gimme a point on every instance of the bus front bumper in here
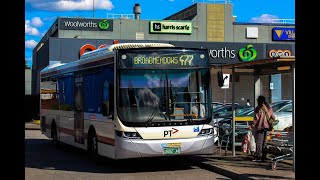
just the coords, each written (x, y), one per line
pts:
(134, 148)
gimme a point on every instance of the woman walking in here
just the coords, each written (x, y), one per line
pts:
(260, 127)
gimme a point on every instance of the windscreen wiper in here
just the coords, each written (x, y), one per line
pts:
(163, 115)
(151, 117)
(190, 120)
(154, 111)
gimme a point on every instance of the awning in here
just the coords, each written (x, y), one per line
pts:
(264, 66)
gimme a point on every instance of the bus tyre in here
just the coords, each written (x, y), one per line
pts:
(93, 149)
(54, 135)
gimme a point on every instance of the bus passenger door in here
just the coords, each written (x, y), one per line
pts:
(79, 114)
(107, 100)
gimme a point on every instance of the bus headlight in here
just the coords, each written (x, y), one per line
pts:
(130, 135)
(206, 131)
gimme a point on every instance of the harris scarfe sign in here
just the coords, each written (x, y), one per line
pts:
(283, 34)
(170, 27)
(85, 24)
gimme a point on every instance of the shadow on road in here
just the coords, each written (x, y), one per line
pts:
(41, 154)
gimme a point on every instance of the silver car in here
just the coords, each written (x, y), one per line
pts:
(284, 116)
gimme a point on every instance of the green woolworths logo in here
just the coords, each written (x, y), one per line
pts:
(103, 25)
(248, 53)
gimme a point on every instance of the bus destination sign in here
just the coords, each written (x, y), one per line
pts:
(182, 60)
(163, 60)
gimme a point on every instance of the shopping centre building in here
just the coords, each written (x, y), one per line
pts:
(201, 25)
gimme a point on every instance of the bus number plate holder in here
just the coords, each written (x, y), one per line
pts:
(171, 150)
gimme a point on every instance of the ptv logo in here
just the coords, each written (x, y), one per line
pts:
(170, 132)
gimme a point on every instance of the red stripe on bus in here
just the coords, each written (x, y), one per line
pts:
(66, 131)
(105, 140)
(101, 139)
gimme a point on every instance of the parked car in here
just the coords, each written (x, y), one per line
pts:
(276, 106)
(219, 113)
(216, 105)
(244, 117)
(284, 116)
(282, 111)
(242, 122)
(226, 110)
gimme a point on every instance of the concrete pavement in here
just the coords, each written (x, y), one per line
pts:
(237, 167)
(242, 167)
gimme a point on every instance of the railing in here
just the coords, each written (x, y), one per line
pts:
(284, 21)
(212, 1)
(120, 16)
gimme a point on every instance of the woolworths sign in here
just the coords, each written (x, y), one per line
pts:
(85, 24)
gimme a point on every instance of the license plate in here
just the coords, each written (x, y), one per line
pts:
(171, 150)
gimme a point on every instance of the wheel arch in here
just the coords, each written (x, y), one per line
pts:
(91, 131)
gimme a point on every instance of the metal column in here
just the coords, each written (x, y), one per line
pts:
(233, 114)
(257, 89)
(293, 112)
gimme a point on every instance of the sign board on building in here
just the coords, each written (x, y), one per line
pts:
(283, 34)
(248, 53)
(226, 53)
(85, 24)
(226, 78)
(170, 27)
(279, 53)
(280, 50)
(252, 32)
(271, 85)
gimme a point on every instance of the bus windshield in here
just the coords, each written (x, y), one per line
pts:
(163, 95)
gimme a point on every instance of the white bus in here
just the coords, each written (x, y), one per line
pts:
(130, 100)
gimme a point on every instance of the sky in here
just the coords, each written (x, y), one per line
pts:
(40, 14)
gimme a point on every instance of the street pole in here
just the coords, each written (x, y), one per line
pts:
(225, 95)
(233, 114)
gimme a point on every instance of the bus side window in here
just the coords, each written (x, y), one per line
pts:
(105, 99)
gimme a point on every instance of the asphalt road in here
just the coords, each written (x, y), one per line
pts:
(44, 161)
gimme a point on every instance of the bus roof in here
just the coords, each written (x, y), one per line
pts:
(93, 56)
(112, 47)
(52, 66)
(138, 45)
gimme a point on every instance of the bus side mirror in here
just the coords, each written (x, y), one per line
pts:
(220, 78)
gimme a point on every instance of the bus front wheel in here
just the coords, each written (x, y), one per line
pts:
(93, 148)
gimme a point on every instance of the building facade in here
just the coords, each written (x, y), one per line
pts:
(201, 25)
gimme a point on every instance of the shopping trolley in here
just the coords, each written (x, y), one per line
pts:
(280, 144)
(224, 137)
